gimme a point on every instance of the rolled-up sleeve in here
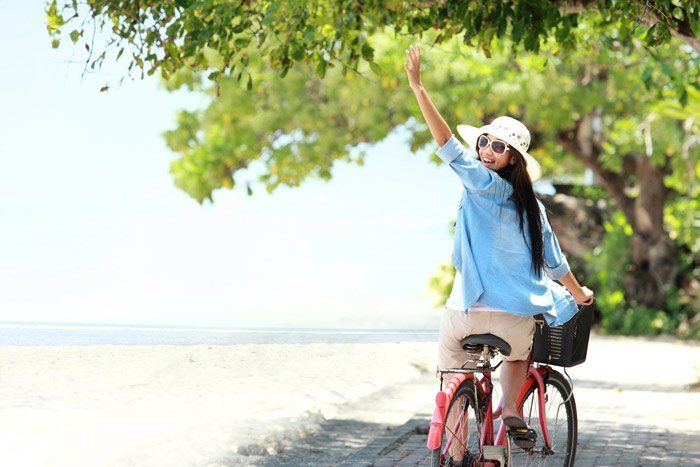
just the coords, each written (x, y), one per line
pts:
(463, 161)
(556, 265)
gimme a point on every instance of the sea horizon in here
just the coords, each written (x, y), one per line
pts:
(26, 333)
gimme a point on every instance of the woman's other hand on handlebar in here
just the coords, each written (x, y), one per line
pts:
(584, 297)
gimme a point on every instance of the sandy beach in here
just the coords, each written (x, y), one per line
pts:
(202, 405)
(193, 405)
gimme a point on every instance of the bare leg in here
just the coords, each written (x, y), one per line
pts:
(512, 379)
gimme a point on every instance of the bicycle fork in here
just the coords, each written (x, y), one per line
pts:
(541, 410)
(541, 406)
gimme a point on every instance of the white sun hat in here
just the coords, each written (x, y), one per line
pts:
(511, 131)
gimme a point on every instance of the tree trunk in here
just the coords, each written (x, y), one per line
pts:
(653, 267)
(577, 222)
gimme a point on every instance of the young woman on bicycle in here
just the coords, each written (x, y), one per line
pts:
(505, 252)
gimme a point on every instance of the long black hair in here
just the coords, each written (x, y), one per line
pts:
(527, 205)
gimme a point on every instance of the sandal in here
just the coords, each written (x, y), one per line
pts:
(522, 435)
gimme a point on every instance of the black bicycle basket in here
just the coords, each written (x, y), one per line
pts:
(565, 345)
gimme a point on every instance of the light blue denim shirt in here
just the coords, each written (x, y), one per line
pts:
(492, 253)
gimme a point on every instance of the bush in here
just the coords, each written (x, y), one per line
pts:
(441, 283)
(608, 263)
(642, 320)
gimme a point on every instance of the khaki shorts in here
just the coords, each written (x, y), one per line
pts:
(456, 325)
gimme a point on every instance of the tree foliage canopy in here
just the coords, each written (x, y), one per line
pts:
(298, 126)
(168, 35)
(297, 85)
(548, 62)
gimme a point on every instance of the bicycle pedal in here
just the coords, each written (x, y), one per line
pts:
(524, 438)
(495, 453)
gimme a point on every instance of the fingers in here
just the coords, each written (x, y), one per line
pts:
(586, 297)
(413, 53)
(409, 52)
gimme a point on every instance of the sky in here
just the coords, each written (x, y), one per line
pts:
(93, 230)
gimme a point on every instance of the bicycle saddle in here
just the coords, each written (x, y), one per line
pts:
(486, 339)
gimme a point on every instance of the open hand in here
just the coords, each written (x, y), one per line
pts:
(412, 66)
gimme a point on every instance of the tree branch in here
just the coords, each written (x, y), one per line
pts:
(680, 29)
(580, 142)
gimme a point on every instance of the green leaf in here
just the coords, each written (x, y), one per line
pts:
(321, 68)
(646, 76)
(678, 13)
(695, 26)
(172, 50)
(74, 35)
(284, 72)
(518, 28)
(367, 52)
(531, 40)
(502, 23)
(650, 36)
(376, 69)
(242, 42)
(270, 14)
(298, 53)
(55, 43)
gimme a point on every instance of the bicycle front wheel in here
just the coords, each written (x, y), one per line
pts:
(462, 430)
(561, 422)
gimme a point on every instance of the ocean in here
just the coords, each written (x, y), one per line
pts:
(26, 334)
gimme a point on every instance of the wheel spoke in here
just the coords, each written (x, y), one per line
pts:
(560, 423)
(461, 428)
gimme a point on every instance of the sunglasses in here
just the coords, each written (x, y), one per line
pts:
(497, 147)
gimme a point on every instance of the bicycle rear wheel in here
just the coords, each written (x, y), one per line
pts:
(462, 430)
(562, 424)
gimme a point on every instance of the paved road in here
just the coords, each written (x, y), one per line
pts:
(635, 402)
(603, 444)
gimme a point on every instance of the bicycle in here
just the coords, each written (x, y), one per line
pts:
(463, 419)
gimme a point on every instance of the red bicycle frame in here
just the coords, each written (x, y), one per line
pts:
(484, 390)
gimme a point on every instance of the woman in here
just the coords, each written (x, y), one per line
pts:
(505, 252)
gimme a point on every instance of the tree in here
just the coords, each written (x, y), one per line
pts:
(597, 90)
(587, 109)
(170, 35)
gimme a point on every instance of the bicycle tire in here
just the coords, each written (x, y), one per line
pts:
(559, 395)
(464, 399)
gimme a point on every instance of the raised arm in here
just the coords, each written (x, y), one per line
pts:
(471, 171)
(438, 127)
